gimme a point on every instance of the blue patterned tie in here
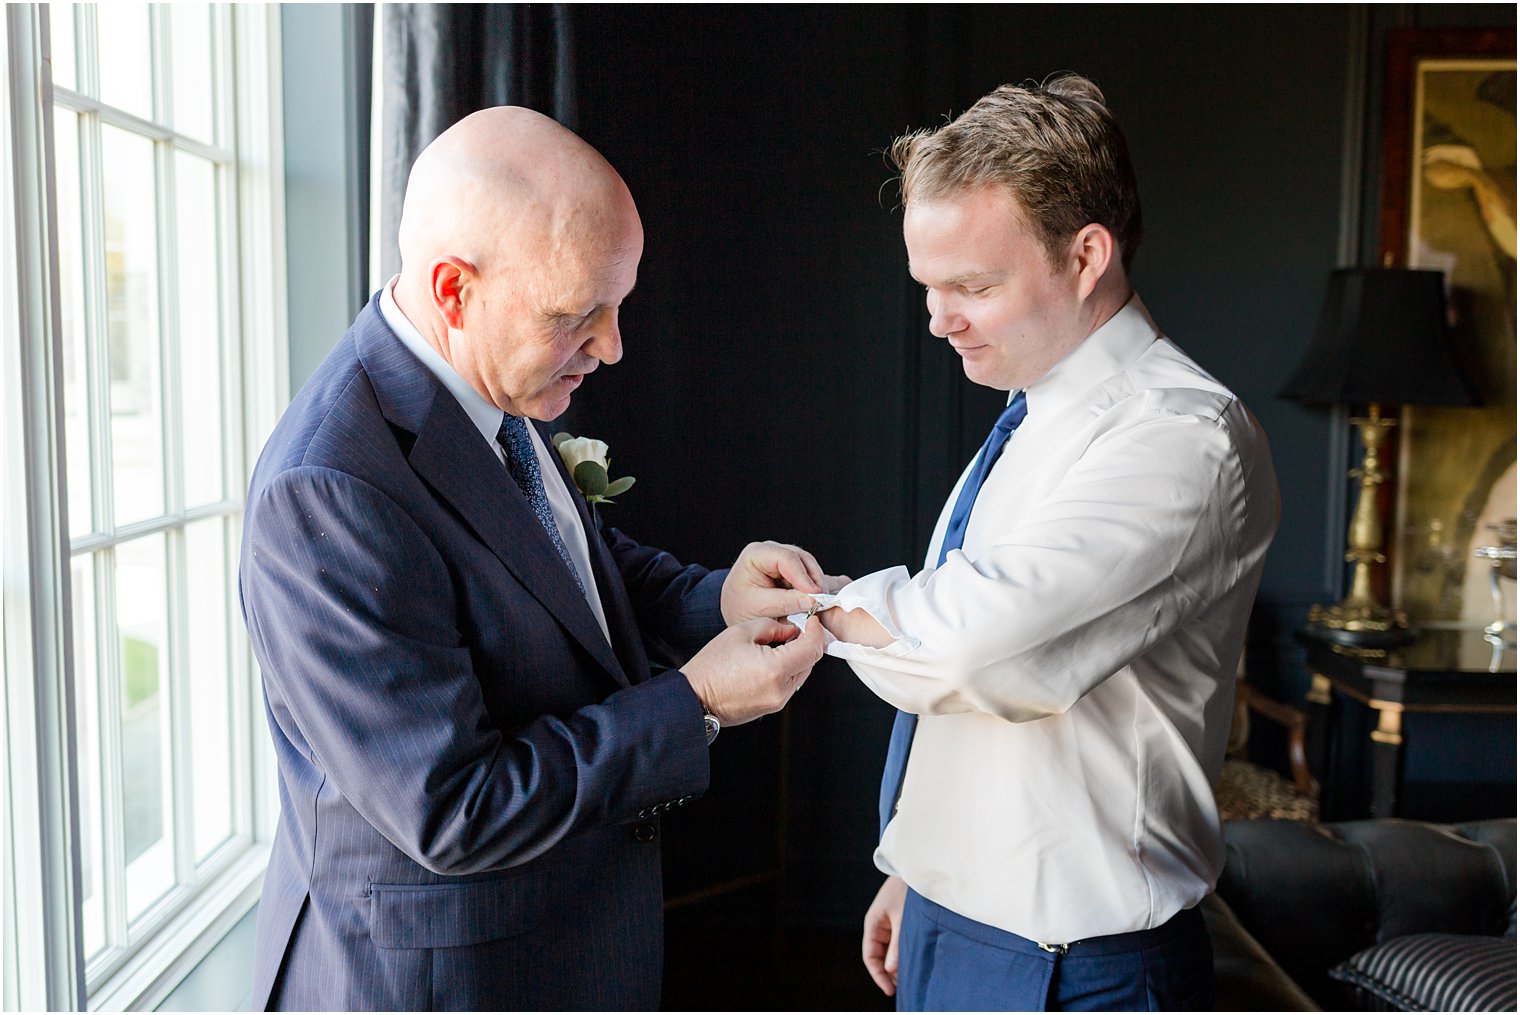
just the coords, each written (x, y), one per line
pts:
(522, 462)
(955, 534)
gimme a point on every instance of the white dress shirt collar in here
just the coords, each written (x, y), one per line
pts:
(485, 416)
(1116, 344)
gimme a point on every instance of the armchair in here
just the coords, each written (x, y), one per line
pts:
(1364, 913)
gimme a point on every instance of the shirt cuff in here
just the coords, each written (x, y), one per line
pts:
(870, 594)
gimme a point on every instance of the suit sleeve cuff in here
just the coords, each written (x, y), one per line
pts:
(679, 771)
(707, 612)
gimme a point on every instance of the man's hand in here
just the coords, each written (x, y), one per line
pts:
(878, 947)
(754, 668)
(773, 580)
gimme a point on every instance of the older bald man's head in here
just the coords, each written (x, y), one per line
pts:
(518, 244)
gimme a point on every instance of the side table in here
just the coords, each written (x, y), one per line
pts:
(1441, 671)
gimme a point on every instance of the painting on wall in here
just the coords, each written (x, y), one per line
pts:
(1449, 205)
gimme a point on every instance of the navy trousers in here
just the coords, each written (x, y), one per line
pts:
(947, 962)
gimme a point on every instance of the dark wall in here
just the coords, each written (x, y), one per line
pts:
(766, 386)
(779, 379)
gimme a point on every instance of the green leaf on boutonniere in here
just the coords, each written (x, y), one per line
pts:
(591, 478)
(559, 438)
(618, 486)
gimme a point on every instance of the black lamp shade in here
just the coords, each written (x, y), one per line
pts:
(1381, 338)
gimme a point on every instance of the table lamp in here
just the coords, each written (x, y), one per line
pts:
(1380, 342)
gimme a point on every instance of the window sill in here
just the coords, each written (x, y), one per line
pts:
(159, 966)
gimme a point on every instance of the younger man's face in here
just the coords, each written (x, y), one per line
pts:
(991, 290)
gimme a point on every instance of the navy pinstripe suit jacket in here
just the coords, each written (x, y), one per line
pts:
(463, 757)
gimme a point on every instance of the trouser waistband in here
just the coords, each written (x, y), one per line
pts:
(1189, 921)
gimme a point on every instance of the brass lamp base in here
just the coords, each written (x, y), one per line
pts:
(1360, 619)
(1363, 624)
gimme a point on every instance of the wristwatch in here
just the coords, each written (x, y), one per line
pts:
(710, 722)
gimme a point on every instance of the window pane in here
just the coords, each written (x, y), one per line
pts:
(93, 888)
(145, 769)
(193, 46)
(126, 52)
(76, 400)
(208, 682)
(200, 333)
(132, 325)
(61, 23)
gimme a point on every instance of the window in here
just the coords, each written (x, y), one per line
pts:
(162, 359)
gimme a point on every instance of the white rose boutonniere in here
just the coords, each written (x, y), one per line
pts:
(587, 460)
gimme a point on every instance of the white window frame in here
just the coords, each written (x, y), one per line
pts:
(43, 951)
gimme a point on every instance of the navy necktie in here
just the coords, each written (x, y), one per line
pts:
(955, 534)
(522, 463)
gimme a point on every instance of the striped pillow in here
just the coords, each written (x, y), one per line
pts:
(1433, 972)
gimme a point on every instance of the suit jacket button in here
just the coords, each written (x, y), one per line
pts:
(643, 833)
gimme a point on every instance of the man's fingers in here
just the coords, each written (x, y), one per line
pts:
(769, 631)
(814, 571)
(779, 603)
(809, 644)
(798, 568)
(890, 965)
(875, 948)
(783, 634)
(832, 583)
(871, 952)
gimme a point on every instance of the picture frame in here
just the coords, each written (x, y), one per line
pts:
(1448, 203)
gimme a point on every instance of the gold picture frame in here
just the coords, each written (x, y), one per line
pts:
(1449, 204)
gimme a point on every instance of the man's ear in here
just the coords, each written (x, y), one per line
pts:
(449, 278)
(1092, 254)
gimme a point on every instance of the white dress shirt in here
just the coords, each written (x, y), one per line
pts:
(487, 419)
(1073, 663)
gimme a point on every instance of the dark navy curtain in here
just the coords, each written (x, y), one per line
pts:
(444, 61)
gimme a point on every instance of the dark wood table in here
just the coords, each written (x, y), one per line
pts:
(1441, 671)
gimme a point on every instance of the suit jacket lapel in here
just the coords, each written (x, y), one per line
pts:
(622, 625)
(449, 455)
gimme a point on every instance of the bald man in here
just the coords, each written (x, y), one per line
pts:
(474, 749)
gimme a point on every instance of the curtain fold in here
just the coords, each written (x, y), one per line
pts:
(444, 61)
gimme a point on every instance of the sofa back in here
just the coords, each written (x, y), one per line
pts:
(1314, 895)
